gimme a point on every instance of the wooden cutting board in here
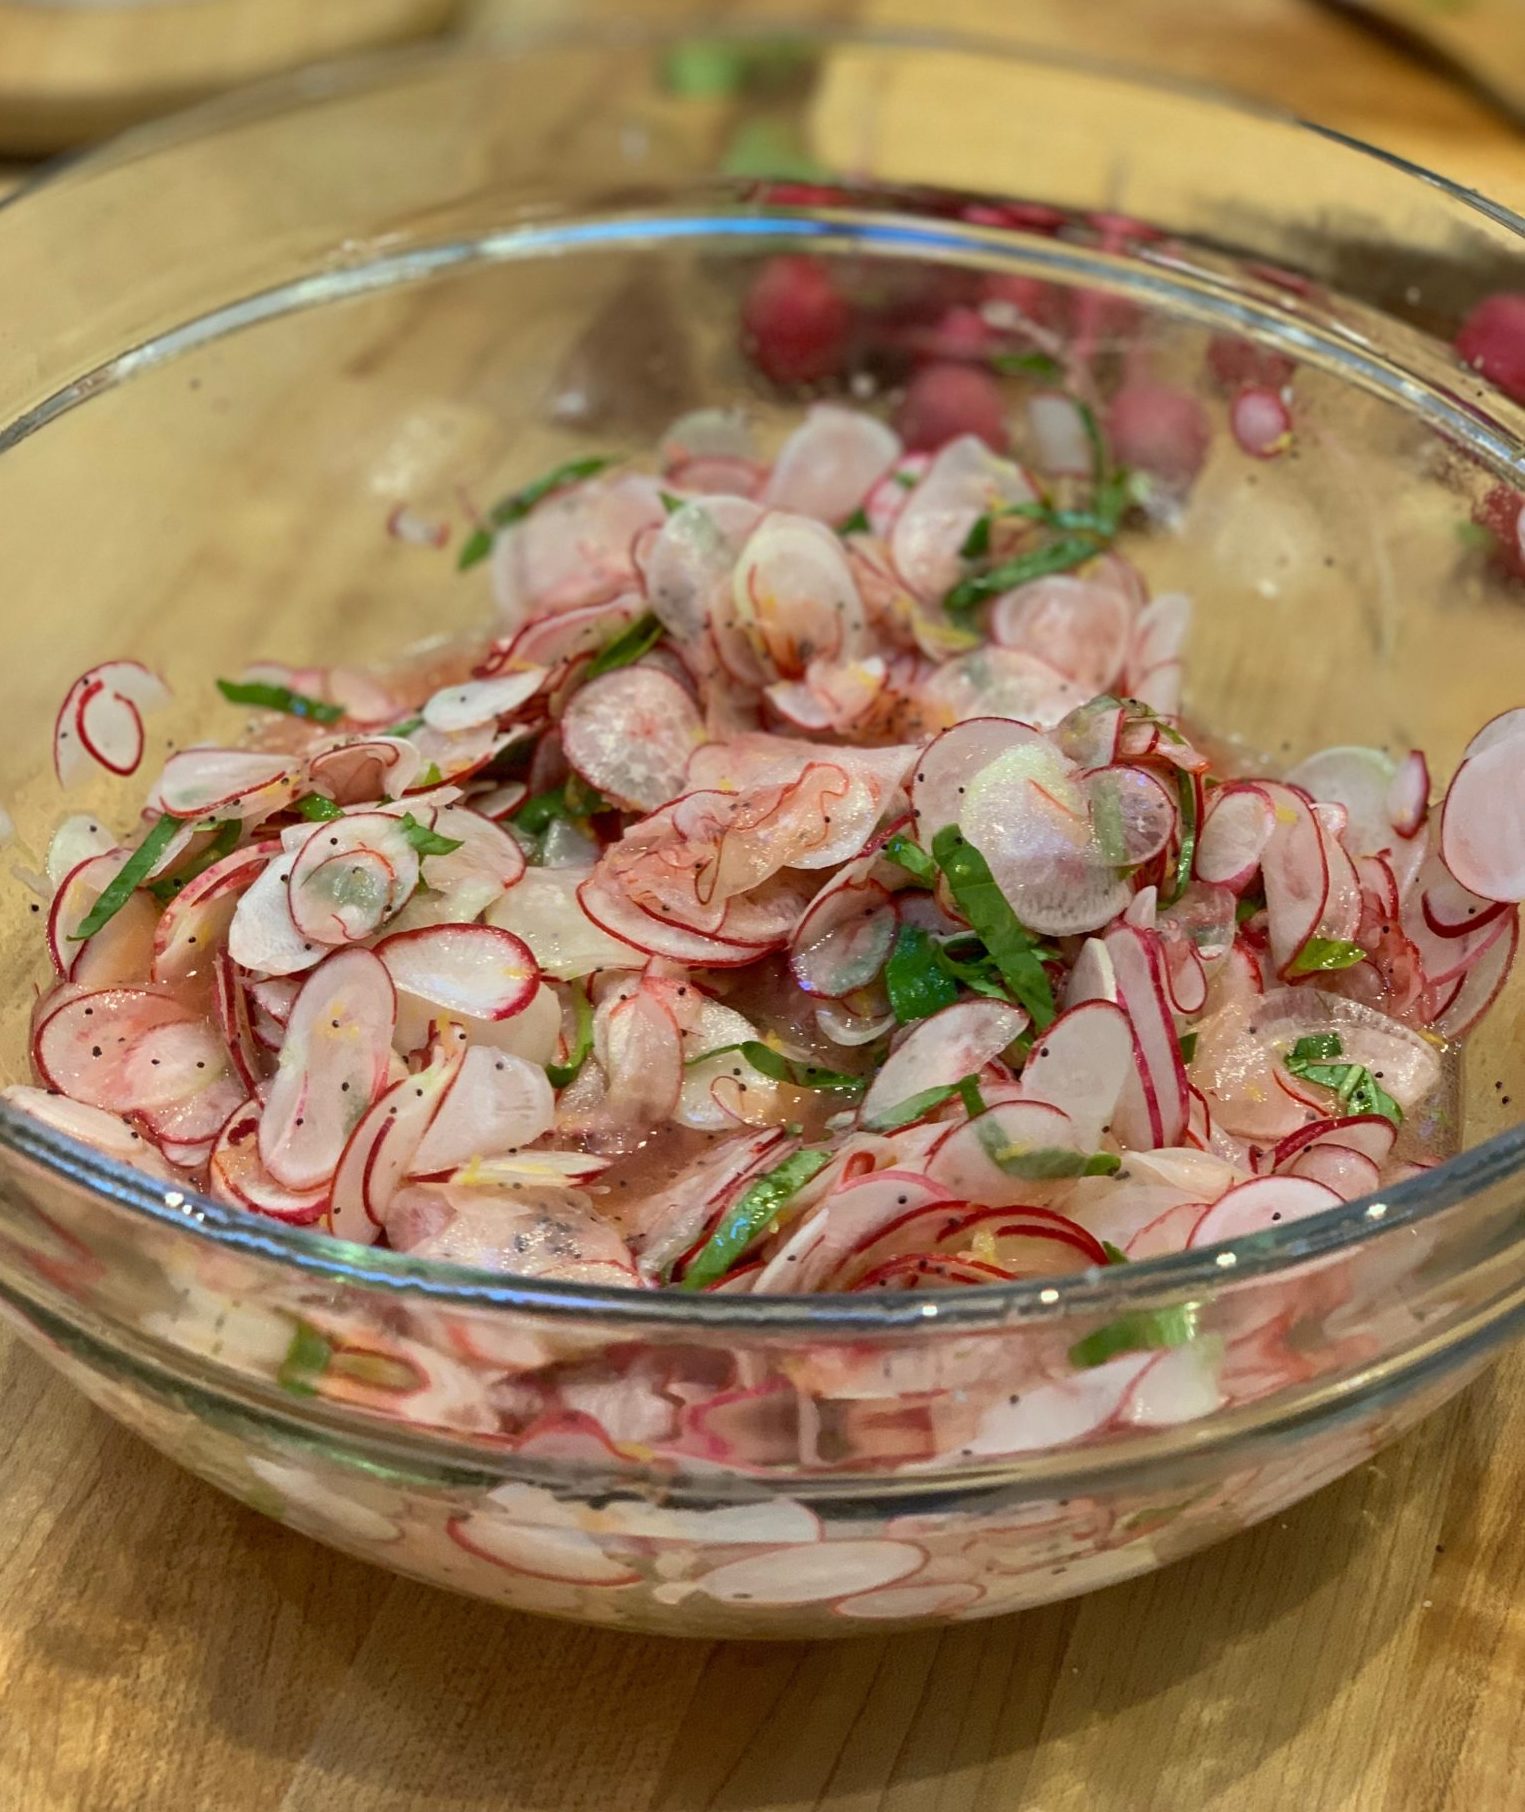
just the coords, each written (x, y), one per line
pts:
(164, 1650)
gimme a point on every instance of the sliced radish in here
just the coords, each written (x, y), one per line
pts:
(1481, 984)
(367, 769)
(1360, 780)
(101, 719)
(1152, 1108)
(1061, 1413)
(1312, 889)
(1348, 1173)
(795, 596)
(1080, 1064)
(829, 464)
(237, 1175)
(630, 734)
(818, 1573)
(939, 1052)
(1503, 728)
(263, 936)
(333, 1065)
(1482, 823)
(1061, 439)
(1371, 1135)
(842, 941)
(225, 783)
(1264, 1202)
(495, 1103)
(1077, 625)
(350, 876)
(982, 1160)
(963, 482)
(843, 1219)
(1261, 422)
(105, 1132)
(641, 1054)
(707, 434)
(477, 970)
(543, 909)
(471, 703)
(1234, 835)
(568, 1556)
(614, 912)
(382, 1147)
(198, 919)
(1408, 798)
(76, 839)
(574, 547)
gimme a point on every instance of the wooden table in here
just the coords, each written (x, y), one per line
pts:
(164, 1650)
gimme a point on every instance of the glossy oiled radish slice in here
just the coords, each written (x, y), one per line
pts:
(1020, 1240)
(263, 936)
(569, 1556)
(470, 703)
(939, 1052)
(1372, 1135)
(101, 719)
(372, 767)
(94, 1126)
(1408, 797)
(1179, 1385)
(333, 1064)
(122, 1048)
(1152, 1107)
(1079, 626)
(496, 1103)
(1359, 779)
(845, 1218)
(350, 876)
(1080, 1064)
(237, 1175)
(1029, 815)
(1312, 889)
(887, 1604)
(119, 951)
(996, 1157)
(543, 909)
(640, 1051)
(613, 911)
(548, 641)
(1481, 984)
(76, 839)
(630, 734)
(830, 463)
(1058, 1414)
(842, 941)
(1261, 1204)
(795, 596)
(708, 434)
(1482, 823)
(573, 548)
(225, 783)
(380, 1151)
(1002, 682)
(1235, 831)
(821, 1573)
(1404, 1061)
(477, 970)
(1348, 1173)
(197, 921)
(463, 882)
(964, 482)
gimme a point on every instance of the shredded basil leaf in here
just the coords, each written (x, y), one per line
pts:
(1317, 1047)
(628, 646)
(1188, 1046)
(427, 842)
(405, 728)
(752, 1212)
(1115, 1254)
(572, 800)
(515, 508)
(122, 885)
(1357, 1089)
(1139, 1333)
(307, 1358)
(973, 1100)
(855, 524)
(1026, 364)
(560, 1074)
(223, 844)
(911, 857)
(915, 979)
(977, 541)
(1320, 955)
(1246, 909)
(779, 1068)
(1055, 556)
(670, 503)
(890, 1119)
(318, 808)
(1186, 790)
(1012, 947)
(270, 697)
(1038, 1164)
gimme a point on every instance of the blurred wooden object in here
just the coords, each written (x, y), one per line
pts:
(164, 1649)
(72, 73)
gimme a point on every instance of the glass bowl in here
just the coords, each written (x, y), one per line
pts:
(236, 343)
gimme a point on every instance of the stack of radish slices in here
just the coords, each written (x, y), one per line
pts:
(812, 886)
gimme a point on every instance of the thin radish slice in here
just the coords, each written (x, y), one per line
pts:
(963, 482)
(1029, 814)
(333, 1065)
(1168, 1232)
(905, 1602)
(614, 912)
(1404, 1061)
(1482, 823)
(104, 1132)
(101, 719)
(939, 1052)
(107, 1047)
(471, 703)
(1077, 625)
(1061, 439)
(1080, 1064)
(495, 1104)
(238, 1177)
(708, 434)
(552, 641)
(263, 937)
(1262, 1203)
(998, 1156)
(1481, 984)
(1260, 422)
(1235, 831)
(689, 567)
(630, 734)
(198, 920)
(350, 876)
(574, 547)
(819, 1573)
(382, 1147)
(1152, 1108)
(1058, 1414)
(1002, 682)
(1312, 889)
(464, 882)
(543, 909)
(477, 970)
(830, 463)
(1159, 637)
(569, 1556)
(1408, 797)
(1348, 1173)
(940, 778)
(795, 596)
(842, 1220)
(1092, 977)
(1359, 779)
(723, 1091)
(640, 1051)
(76, 839)
(1369, 1134)
(234, 1013)
(838, 1022)
(110, 729)
(371, 768)
(225, 783)
(1179, 1385)
(451, 755)
(500, 802)
(844, 938)
(1501, 729)
(1021, 1240)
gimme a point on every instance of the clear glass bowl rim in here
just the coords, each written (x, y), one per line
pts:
(1197, 1272)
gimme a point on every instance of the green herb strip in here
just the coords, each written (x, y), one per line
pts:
(914, 1107)
(560, 1075)
(268, 697)
(627, 647)
(855, 524)
(779, 1068)
(911, 857)
(1357, 1089)
(509, 510)
(1057, 556)
(128, 878)
(1037, 1164)
(751, 1214)
(1322, 955)
(1186, 790)
(427, 842)
(1012, 947)
(307, 1358)
(1141, 1333)
(914, 977)
(223, 844)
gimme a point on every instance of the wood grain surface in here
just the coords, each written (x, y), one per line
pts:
(164, 1650)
